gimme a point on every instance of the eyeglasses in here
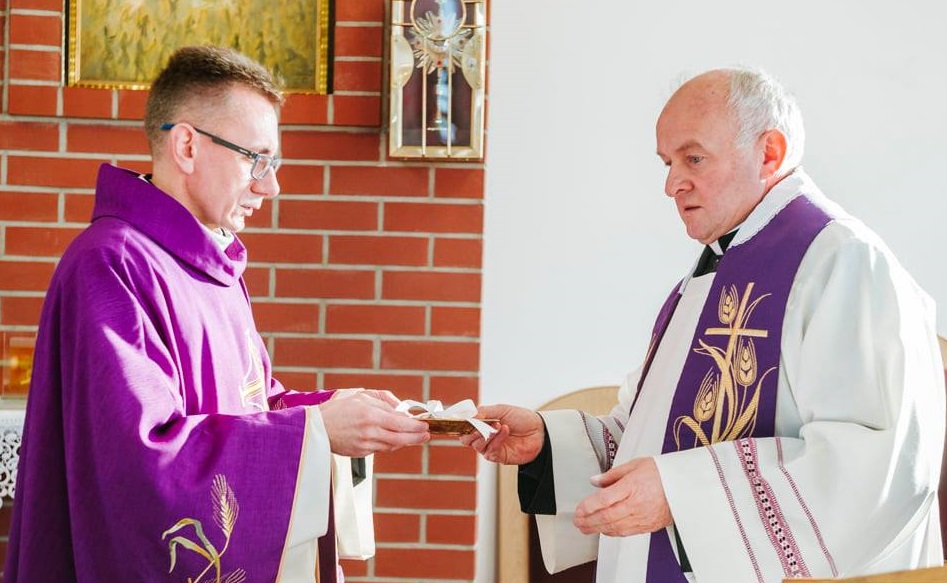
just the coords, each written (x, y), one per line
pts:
(262, 163)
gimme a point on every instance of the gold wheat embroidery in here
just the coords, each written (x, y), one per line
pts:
(226, 510)
(729, 394)
(253, 391)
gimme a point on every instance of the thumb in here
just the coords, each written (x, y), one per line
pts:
(608, 478)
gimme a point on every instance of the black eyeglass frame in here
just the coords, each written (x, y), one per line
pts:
(269, 162)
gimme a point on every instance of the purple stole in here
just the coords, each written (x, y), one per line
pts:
(727, 388)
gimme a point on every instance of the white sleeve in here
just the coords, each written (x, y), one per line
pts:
(850, 484)
(582, 446)
(310, 515)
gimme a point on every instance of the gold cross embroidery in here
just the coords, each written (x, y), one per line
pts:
(727, 393)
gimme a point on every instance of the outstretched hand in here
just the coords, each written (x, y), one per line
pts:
(519, 437)
(631, 501)
(363, 422)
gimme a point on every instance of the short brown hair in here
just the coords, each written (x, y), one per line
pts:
(202, 74)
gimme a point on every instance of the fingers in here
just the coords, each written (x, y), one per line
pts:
(613, 475)
(361, 425)
(386, 397)
(632, 502)
(601, 511)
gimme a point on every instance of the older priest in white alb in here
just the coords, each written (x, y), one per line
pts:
(788, 419)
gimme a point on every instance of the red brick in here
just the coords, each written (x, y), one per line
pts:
(320, 145)
(455, 321)
(131, 104)
(434, 218)
(305, 109)
(57, 172)
(78, 208)
(379, 180)
(458, 182)
(402, 385)
(299, 179)
(374, 319)
(323, 352)
(455, 389)
(397, 528)
(458, 252)
(431, 286)
(258, 281)
(382, 250)
(422, 494)
(25, 275)
(33, 100)
(35, 65)
(87, 102)
(39, 242)
(20, 311)
(424, 563)
(356, 110)
(406, 460)
(296, 381)
(36, 4)
(139, 166)
(26, 135)
(286, 317)
(416, 355)
(356, 76)
(28, 206)
(328, 215)
(449, 529)
(27, 29)
(325, 283)
(106, 139)
(360, 11)
(283, 247)
(353, 568)
(359, 41)
(451, 460)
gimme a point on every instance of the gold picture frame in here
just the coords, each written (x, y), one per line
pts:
(122, 44)
(437, 79)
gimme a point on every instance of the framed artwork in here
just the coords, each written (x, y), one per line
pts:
(16, 364)
(438, 69)
(123, 44)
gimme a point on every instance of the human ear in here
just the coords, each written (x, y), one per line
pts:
(182, 147)
(774, 152)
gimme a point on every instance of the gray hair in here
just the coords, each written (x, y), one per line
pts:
(759, 103)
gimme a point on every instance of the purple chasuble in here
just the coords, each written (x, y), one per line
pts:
(157, 446)
(727, 388)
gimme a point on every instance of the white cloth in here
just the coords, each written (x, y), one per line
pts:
(853, 471)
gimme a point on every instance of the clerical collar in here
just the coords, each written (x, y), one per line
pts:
(707, 263)
(222, 237)
(721, 244)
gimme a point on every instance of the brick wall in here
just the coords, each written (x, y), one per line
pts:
(364, 272)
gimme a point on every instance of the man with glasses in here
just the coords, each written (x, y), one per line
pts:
(157, 444)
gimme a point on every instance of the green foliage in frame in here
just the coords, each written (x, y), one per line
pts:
(123, 44)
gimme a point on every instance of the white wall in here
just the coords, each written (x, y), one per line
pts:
(581, 245)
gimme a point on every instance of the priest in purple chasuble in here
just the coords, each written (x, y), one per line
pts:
(787, 420)
(157, 444)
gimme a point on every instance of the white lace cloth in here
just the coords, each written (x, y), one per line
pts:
(11, 433)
